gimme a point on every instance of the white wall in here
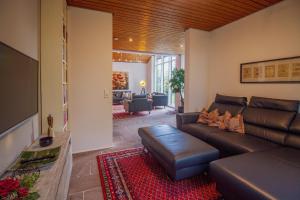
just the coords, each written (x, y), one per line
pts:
(268, 34)
(19, 22)
(136, 73)
(196, 70)
(90, 62)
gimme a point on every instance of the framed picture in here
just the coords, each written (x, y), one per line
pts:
(120, 81)
(283, 70)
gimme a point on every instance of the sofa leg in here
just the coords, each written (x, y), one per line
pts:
(145, 149)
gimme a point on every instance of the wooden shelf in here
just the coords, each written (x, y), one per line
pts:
(54, 182)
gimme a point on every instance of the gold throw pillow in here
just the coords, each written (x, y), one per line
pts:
(203, 117)
(213, 118)
(236, 124)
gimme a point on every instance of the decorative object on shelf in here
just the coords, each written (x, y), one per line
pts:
(177, 86)
(120, 81)
(50, 126)
(19, 186)
(143, 84)
(46, 141)
(36, 159)
(283, 70)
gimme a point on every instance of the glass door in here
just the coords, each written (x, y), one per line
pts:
(163, 67)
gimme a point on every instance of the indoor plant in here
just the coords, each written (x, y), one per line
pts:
(177, 86)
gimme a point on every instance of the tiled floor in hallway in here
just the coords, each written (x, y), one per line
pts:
(85, 181)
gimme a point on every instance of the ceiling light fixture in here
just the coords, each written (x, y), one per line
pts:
(130, 39)
(116, 39)
(181, 45)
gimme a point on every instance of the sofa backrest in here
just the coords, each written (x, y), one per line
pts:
(234, 105)
(270, 118)
(139, 96)
(293, 138)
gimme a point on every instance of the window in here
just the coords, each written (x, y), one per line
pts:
(163, 67)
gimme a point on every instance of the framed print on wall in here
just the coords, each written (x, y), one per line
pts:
(120, 81)
(283, 70)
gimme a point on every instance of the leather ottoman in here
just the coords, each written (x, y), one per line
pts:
(181, 154)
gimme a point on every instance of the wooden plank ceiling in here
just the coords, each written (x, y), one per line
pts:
(130, 57)
(158, 25)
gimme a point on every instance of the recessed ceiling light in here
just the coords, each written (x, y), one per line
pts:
(130, 39)
(181, 45)
(116, 38)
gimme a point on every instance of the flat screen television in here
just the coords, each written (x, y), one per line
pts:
(18, 87)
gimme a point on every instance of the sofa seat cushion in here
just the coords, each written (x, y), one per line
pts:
(229, 142)
(235, 143)
(200, 131)
(273, 174)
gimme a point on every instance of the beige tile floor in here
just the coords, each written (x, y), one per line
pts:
(85, 182)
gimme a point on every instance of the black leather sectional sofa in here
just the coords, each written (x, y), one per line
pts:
(265, 162)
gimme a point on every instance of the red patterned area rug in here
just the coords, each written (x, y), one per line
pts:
(126, 115)
(134, 174)
(118, 112)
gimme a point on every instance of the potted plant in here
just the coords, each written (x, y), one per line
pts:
(177, 86)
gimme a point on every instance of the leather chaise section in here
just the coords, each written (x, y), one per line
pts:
(273, 174)
(268, 164)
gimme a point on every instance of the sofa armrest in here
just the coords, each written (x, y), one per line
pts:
(186, 118)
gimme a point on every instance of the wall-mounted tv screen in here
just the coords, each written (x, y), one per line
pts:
(18, 87)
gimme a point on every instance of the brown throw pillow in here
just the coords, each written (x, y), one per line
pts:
(236, 124)
(203, 117)
(213, 118)
(224, 120)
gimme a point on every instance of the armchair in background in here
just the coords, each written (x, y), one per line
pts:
(120, 96)
(137, 104)
(159, 99)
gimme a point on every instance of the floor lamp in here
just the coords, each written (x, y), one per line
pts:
(143, 84)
